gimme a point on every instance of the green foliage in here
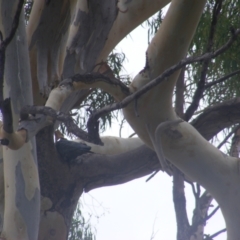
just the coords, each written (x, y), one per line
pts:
(98, 98)
(80, 229)
(224, 64)
(153, 24)
(115, 62)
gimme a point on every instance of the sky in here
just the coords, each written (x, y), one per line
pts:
(138, 210)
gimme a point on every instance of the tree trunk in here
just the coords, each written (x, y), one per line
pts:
(21, 182)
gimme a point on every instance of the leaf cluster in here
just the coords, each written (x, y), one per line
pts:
(98, 98)
(153, 24)
(228, 20)
(80, 229)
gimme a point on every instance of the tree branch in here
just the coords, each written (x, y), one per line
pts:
(101, 170)
(91, 78)
(4, 43)
(179, 200)
(222, 79)
(216, 234)
(163, 77)
(200, 85)
(212, 213)
(216, 118)
(197, 192)
(209, 123)
(98, 170)
(227, 137)
(179, 100)
(234, 150)
(199, 214)
(47, 111)
(15, 23)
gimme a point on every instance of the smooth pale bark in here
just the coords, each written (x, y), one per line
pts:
(16, 139)
(169, 46)
(58, 96)
(111, 145)
(48, 57)
(130, 15)
(52, 223)
(60, 189)
(21, 182)
(218, 173)
(180, 23)
(114, 145)
(74, 41)
(47, 40)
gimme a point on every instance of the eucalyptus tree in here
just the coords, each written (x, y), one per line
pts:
(61, 57)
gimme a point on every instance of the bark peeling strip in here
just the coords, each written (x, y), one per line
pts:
(48, 38)
(25, 206)
(17, 73)
(93, 31)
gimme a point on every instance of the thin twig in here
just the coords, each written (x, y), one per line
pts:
(152, 175)
(179, 95)
(121, 127)
(136, 108)
(60, 116)
(90, 78)
(196, 191)
(222, 79)
(131, 135)
(212, 213)
(234, 149)
(200, 85)
(227, 137)
(217, 233)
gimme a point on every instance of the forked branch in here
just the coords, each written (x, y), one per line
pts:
(163, 77)
(54, 115)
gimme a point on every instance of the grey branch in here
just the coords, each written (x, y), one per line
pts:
(216, 118)
(47, 111)
(163, 77)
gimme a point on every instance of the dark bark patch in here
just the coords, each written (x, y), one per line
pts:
(29, 209)
(92, 34)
